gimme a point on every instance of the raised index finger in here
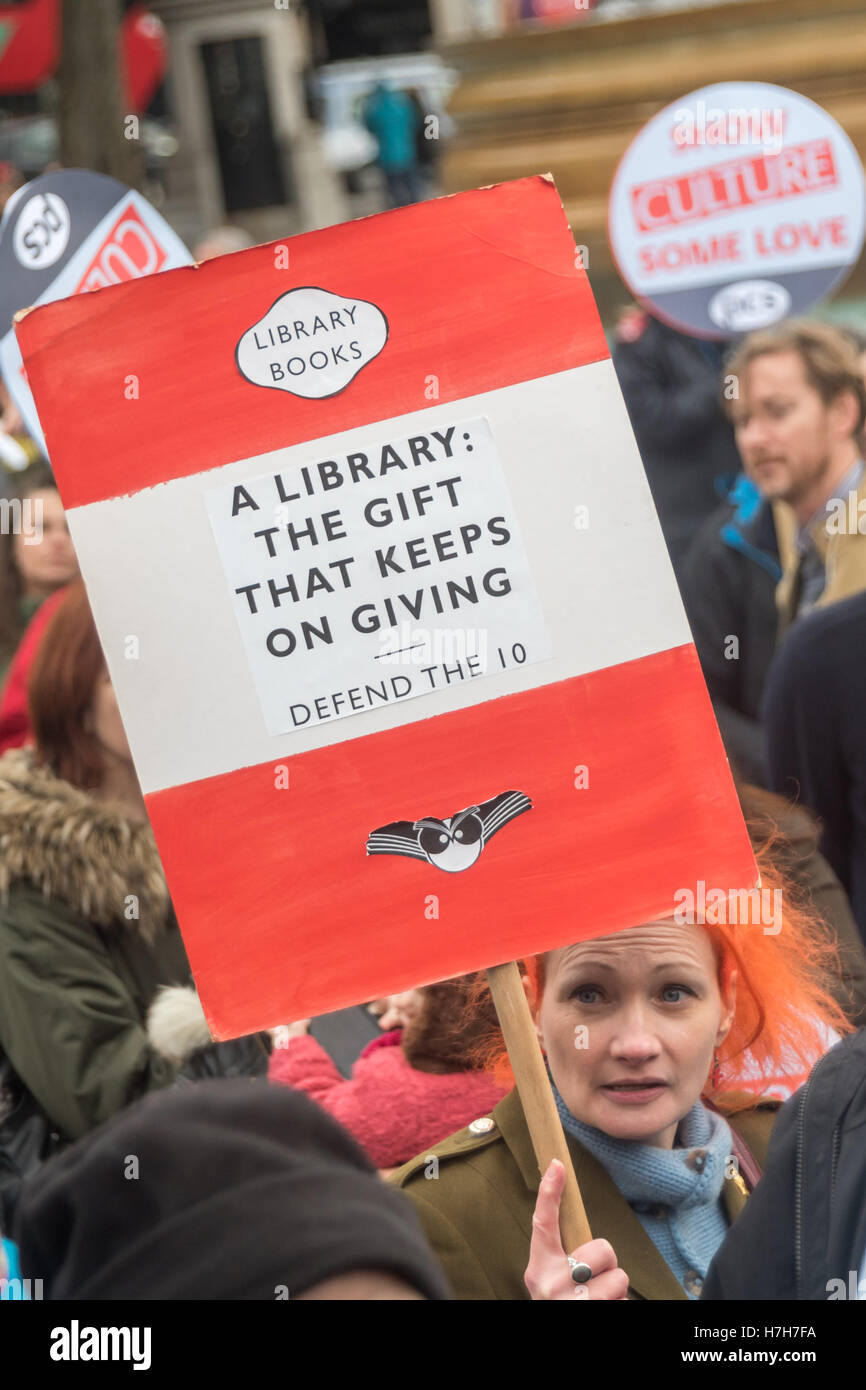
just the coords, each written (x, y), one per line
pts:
(546, 1238)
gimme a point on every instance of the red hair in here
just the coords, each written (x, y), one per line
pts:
(61, 687)
(784, 1004)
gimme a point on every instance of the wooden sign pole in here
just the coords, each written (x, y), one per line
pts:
(536, 1097)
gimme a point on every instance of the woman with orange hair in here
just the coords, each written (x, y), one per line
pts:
(647, 1033)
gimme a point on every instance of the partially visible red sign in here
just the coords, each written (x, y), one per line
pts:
(129, 250)
(144, 53)
(29, 44)
(30, 49)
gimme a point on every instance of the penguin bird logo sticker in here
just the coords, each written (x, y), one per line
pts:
(453, 844)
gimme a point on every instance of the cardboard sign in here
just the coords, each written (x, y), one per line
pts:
(385, 601)
(736, 206)
(64, 233)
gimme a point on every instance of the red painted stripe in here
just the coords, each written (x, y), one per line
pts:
(480, 291)
(286, 916)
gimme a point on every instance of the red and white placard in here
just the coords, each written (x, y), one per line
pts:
(394, 632)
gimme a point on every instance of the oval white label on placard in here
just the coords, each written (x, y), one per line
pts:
(312, 343)
(749, 304)
(42, 231)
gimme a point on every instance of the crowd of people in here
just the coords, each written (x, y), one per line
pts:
(724, 1073)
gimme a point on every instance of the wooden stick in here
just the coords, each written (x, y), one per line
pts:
(536, 1097)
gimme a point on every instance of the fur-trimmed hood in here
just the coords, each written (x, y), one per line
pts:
(83, 851)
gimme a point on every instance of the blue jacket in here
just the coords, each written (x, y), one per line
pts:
(392, 118)
(11, 1287)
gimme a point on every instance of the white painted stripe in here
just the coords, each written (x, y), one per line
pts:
(189, 701)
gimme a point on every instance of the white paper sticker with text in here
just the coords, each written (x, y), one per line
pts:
(379, 575)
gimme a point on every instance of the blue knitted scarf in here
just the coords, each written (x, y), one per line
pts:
(675, 1193)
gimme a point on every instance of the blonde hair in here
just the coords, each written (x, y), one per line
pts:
(828, 355)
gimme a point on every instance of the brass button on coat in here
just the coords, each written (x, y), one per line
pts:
(482, 1126)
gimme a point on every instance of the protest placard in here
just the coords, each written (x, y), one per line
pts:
(66, 232)
(384, 598)
(736, 206)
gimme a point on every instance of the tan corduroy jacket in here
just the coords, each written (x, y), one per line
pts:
(840, 541)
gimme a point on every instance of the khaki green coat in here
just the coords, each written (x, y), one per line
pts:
(477, 1213)
(87, 937)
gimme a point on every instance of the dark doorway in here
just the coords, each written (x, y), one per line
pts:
(249, 160)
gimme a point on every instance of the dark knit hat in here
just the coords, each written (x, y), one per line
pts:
(225, 1189)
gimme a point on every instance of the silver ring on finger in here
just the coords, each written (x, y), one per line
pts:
(581, 1273)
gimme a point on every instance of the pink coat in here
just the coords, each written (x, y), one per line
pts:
(394, 1111)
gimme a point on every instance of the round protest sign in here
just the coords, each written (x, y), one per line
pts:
(735, 206)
